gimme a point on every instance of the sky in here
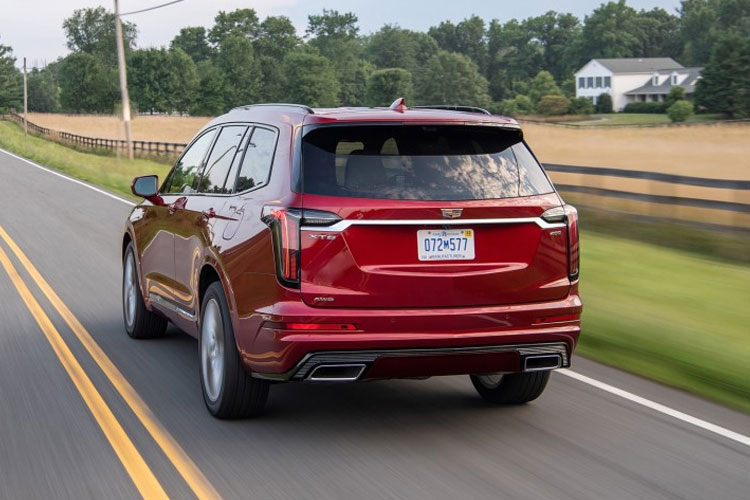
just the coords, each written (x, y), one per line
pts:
(33, 28)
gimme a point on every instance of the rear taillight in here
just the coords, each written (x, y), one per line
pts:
(285, 224)
(569, 215)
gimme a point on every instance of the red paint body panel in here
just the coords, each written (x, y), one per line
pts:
(518, 277)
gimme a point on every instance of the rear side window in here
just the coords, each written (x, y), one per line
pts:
(411, 162)
(219, 161)
(256, 165)
(184, 175)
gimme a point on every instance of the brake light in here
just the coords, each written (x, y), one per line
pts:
(285, 224)
(571, 217)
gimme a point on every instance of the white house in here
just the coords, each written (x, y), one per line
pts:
(634, 79)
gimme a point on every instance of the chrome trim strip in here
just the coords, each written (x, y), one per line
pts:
(557, 358)
(311, 360)
(346, 223)
(172, 307)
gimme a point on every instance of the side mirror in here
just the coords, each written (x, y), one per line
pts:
(147, 187)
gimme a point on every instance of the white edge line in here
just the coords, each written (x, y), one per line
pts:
(71, 179)
(684, 417)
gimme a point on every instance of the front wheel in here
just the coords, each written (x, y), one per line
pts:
(228, 390)
(511, 388)
(140, 323)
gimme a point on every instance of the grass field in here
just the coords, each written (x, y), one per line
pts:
(669, 315)
(109, 172)
(677, 317)
(619, 119)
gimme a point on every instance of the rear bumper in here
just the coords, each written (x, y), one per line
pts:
(393, 343)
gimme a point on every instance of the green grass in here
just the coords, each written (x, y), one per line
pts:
(615, 119)
(669, 315)
(106, 171)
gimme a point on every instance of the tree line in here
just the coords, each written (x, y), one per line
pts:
(516, 67)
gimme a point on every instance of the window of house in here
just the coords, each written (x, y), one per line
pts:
(674, 79)
(220, 160)
(607, 82)
(655, 79)
(256, 166)
(598, 82)
(590, 82)
(581, 82)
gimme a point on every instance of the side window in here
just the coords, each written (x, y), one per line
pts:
(184, 176)
(220, 160)
(256, 165)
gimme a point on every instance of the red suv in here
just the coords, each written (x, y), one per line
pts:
(335, 245)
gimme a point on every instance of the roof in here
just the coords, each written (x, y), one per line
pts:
(688, 83)
(639, 64)
(302, 115)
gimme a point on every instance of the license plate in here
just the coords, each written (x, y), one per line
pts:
(445, 244)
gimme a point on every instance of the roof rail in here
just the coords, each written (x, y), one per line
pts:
(307, 109)
(465, 109)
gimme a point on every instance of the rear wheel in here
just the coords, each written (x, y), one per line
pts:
(511, 388)
(140, 323)
(228, 390)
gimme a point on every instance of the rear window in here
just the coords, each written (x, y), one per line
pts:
(410, 162)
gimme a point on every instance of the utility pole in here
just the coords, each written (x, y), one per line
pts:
(123, 81)
(25, 100)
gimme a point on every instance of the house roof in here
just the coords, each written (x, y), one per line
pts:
(639, 64)
(687, 83)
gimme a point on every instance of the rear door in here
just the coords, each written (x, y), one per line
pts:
(431, 216)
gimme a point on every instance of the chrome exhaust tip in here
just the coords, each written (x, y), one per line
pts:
(336, 373)
(542, 362)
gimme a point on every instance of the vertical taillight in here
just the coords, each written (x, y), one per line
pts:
(571, 217)
(285, 227)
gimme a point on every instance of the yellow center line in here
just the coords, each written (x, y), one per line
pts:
(136, 467)
(190, 472)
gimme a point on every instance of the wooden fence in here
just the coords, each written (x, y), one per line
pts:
(147, 147)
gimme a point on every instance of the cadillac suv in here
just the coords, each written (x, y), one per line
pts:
(348, 244)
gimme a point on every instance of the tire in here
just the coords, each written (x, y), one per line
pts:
(140, 323)
(228, 390)
(511, 388)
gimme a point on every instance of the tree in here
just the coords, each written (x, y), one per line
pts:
(604, 103)
(724, 83)
(559, 36)
(386, 85)
(210, 100)
(332, 33)
(277, 37)
(451, 78)
(704, 22)
(44, 94)
(514, 58)
(680, 111)
(612, 30)
(518, 106)
(87, 85)
(469, 37)
(353, 79)
(394, 47)
(238, 23)
(581, 106)
(677, 93)
(543, 84)
(147, 72)
(242, 75)
(194, 42)
(11, 81)
(92, 31)
(659, 33)
(309, 79)
(183, 82)
(552, 105)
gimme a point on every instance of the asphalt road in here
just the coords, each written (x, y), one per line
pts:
(398, 439)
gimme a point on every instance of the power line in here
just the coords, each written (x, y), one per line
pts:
(151, 8)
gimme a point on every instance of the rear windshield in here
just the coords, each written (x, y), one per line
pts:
(415, 162)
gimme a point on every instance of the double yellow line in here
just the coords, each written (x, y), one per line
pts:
(140, 473)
